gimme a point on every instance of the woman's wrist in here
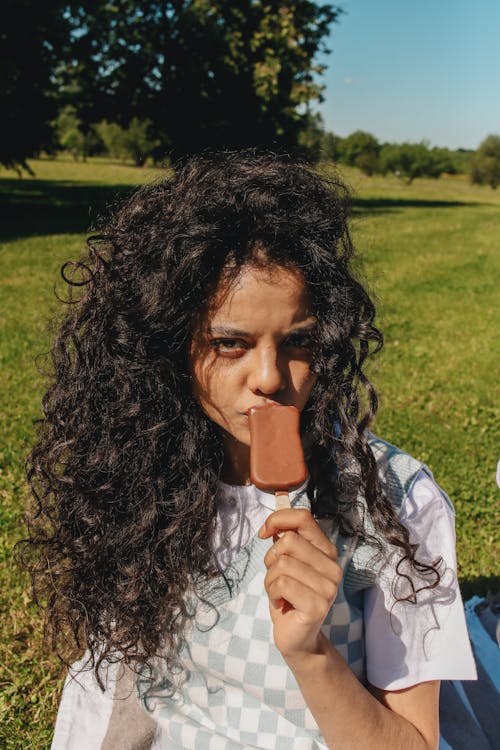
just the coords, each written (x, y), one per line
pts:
(323, 656)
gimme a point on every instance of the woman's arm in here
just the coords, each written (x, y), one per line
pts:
(351, 717)
(301, 582)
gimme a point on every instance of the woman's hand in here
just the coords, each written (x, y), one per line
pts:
(301, 581)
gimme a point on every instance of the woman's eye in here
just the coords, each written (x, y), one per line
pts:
(304, 341)
(228, 346)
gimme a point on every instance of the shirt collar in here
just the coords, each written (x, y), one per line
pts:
(249, 493)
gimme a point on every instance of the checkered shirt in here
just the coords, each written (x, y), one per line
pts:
(236, 691)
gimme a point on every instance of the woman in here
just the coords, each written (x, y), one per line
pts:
(228, 286)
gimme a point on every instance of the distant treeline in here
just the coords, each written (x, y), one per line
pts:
(149, 80)
(360, 149)
(406, 160)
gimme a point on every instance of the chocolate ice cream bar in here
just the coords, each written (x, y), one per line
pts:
(276, 457)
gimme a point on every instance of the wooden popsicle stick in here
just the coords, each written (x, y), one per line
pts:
(282, 500)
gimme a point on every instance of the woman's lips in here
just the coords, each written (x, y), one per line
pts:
(261, 405)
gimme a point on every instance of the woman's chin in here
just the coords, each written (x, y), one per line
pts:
(239, 440)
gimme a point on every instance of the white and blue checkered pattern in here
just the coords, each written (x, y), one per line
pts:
(236, 691)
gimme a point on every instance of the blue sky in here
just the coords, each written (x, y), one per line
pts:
(409, 70)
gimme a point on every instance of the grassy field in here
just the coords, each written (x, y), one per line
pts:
(430, 254)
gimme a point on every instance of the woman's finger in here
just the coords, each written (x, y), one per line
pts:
(291, 568)
(303, 523)
(310, 607)
(293, 545)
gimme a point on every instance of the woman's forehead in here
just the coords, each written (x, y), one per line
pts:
(256, 291)
(233, 278)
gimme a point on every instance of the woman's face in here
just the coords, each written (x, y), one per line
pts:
(253, 345)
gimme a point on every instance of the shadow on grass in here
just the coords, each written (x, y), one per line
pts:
(39, 207)
(480, 585)
(32, 207)
(390, 205)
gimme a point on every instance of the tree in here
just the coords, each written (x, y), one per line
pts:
(133, 142)
(138, 143)
(331, 146)
(445, 160)
(113, 138)
(361, 149)
(71, 136)
(485, 167)
(69, 132)
(318, 143)
(409, 160)
(206, 73)
(310, 138)
(31, 40)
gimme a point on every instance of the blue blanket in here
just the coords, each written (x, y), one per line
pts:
(470, 711)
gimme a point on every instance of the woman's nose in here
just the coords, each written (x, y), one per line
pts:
(266, 376)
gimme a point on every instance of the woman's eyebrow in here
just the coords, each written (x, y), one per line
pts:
(226, 331)
(305, 328)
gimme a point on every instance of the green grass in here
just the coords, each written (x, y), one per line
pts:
(430, 254)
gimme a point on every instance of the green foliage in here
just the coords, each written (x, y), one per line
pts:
(138, 142)
(31, 42)
(462, 159)
(113, 138)
(202, 73)
(430, 253)
(70, 135)
(409, 160)
(205, 73)
(311, 135)
(485, 167)
(361, 149)
(132, 143)
(331, 147)
(316, 143)
(446, 161)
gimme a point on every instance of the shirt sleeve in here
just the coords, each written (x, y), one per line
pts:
(408, 643)
(84, 711)
(92, 719)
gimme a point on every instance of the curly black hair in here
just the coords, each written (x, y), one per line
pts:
(125, 469)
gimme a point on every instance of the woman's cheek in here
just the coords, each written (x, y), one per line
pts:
(303, 384)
